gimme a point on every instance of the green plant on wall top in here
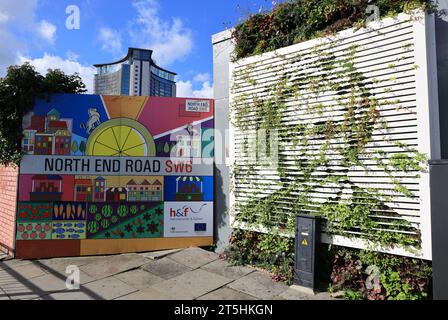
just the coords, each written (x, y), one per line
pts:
(296, 21)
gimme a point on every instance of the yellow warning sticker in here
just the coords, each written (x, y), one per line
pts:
(304, 242)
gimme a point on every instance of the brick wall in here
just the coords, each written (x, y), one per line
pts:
(8, 202)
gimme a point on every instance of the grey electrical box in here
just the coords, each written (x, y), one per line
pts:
(307, 237)
(439, 226)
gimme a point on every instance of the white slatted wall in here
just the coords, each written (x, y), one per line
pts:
(399, 54)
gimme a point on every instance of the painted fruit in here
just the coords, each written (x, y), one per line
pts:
(93, 227)
(105, 223)
(107, 211)
(122, 211)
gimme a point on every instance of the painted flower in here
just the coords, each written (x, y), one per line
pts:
(152, 227)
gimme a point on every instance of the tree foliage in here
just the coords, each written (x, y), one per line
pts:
(18, 91)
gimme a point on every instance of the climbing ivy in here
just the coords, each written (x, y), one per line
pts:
(314, 154)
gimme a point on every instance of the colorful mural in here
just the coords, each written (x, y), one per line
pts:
(109, 168)
(188, 188)
(125, 220)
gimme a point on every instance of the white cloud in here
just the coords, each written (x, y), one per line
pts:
(68, 66)
(169, 40)
(20, 11)
(3, 17)
(72, 56)
(8, 53)
(110, 40)
(21, 14)
(202, 77)
(47, 31)
(185, 90)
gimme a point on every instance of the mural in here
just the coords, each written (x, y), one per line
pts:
(125, 220)
(188, 188)
(109, 168)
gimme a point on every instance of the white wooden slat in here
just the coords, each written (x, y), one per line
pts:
(395, 58)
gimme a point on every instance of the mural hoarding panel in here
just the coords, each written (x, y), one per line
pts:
(106, 169)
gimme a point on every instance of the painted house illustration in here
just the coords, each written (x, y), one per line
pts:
(46, 188)
(87, 190)
(144, 191)
(190, 143)
(189, 189)
(99, 190)
(116, 194)
(48, 135)
(83, 190)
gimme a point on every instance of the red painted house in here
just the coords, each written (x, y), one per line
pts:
(83, 190)
(48, 135)
(62, 137)
(46, 188)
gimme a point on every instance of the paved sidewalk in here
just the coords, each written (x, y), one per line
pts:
(188, 274)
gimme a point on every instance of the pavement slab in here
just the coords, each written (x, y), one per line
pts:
(295, 294)
(69, 295)
(61, 264)
(147, 294)
(259, 285)
(20, 291)
(166, 268)
(159, 254)
(11, 264)
(24, 272)
(49, 284)
(139, 279)
(194, 257)
(108, 288)
(223, 268)
(225, 294)
(3, 295)
(191, 285)
(165, 275)
(109, 266)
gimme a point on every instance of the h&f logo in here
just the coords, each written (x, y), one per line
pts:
(182, 213)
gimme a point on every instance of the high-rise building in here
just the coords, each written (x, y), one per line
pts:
(134, 75)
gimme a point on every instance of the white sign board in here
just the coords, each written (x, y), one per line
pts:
(197, 106)
(188, 219)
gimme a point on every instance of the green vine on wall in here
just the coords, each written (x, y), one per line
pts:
(324, 153)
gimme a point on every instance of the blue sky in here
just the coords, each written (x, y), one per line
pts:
(178, 31)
